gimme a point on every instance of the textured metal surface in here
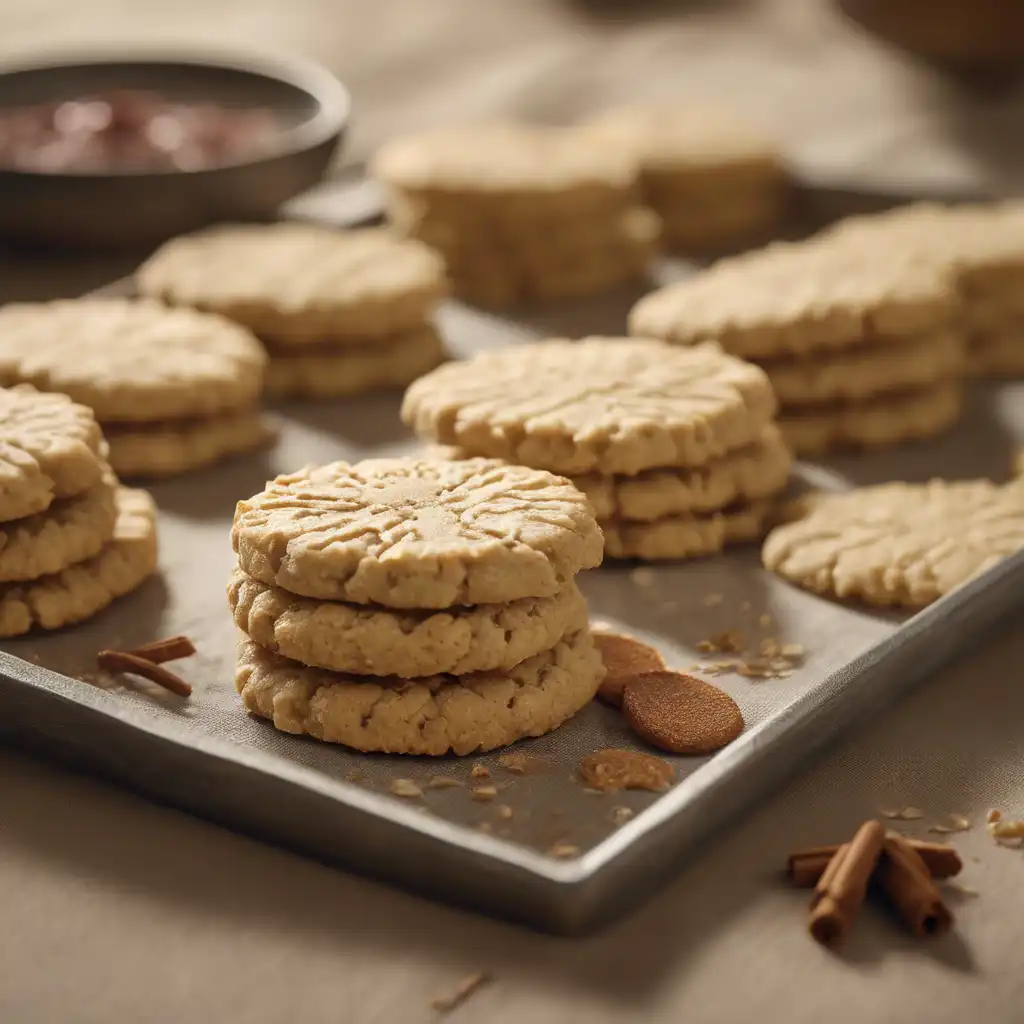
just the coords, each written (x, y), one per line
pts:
(207, 756)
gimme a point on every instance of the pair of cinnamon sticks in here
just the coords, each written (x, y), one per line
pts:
(147, 662)
(903, 870)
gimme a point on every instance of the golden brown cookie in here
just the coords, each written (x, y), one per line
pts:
(607, 405)
(417, 533)
(434, 716)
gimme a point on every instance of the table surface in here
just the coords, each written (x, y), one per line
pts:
(115, 909)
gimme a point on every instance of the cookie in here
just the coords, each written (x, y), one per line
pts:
(866, 371)
(298, 284)
(432, 716)
(368, 640)
(131, 360)
(898, 544)
(997, 353)
(552, 168)
(409, 533)
(49, 448)
(874, 423)
(177, 446)
(352, 371)
(608, 405)
(685, 536)
(800, 298)
(70, 530)
(741, 476)
(80, 591)
(624, 659)
(681, 714)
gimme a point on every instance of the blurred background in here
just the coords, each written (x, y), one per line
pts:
(902, 97)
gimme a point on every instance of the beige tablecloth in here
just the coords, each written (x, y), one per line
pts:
(116, 910)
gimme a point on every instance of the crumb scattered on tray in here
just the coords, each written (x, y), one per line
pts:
(643, 576)
(614, 769)
(504, 812)
(484, 793)
(620, 815)
(406, 788)
(443, 782)
(355, 775)
(563, 851)
(902, 813)
(479, 771)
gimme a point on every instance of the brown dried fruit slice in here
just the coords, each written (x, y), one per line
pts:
(614, 769)
(624, 658)
(681, 714)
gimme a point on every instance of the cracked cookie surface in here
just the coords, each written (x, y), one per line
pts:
(413, 533)
(606, 405)
(368, 640)
(50, 447)
(436, 715)
(898, 544)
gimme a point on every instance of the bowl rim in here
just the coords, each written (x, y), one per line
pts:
(333, 99)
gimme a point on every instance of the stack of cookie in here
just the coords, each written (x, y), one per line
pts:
(340, 312)
(174, 390)
(71, 539)
(415, 606)
(982, 246)
(716, 182)
(520, 213)
(675, 447)
(862, 343)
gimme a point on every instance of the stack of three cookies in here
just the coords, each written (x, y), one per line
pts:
(860, 338)
(339, 312)
(520, 213)
(675, 448)
(71, 539)
(418, 607)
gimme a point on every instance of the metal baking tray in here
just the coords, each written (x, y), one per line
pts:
(207, 756)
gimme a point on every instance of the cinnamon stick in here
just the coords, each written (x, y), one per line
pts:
(841, 889)
(903, 876)
(169, 649)
(805, 867)
(126, 661)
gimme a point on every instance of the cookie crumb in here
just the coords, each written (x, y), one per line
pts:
(486, 827)
(449, 1001)
(516, 764)
(620, 815)
(479, 771)
(443, 782)
(615, 769)
(993, 815)
(504, 812)
(765, 620)
(406, 788)
(563, 851)
(1003, 829)
(643, 576)
(911, 813)
(960, 887)
(355, 775)
(484, 793)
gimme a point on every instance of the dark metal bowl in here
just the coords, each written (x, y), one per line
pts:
(140, 209)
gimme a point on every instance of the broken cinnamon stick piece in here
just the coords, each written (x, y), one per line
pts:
(169, 649)
(805, 867)
(125, 661)
(903, 876)
(840, 891)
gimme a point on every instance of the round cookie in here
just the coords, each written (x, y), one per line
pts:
(550, 168)
(607, 405)
(351, 371)
(82, 590)
(131, 360)
(799, 298)
(169, 447)
(409, 533)
(744, 475)
(374, 641)
(877, 422)
(49, 448)
(997, 352)
(69, 531)
(432, 716)
(898, 544)
(298, 284)
(685, 536)
(864, 372)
